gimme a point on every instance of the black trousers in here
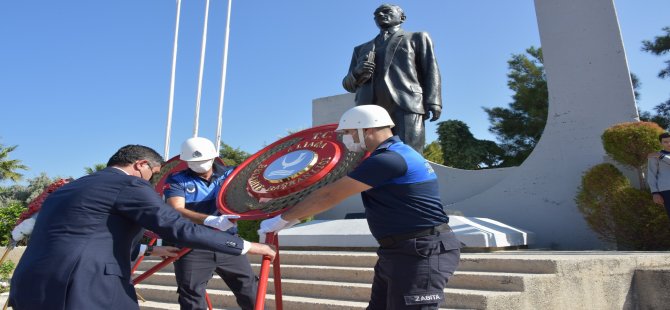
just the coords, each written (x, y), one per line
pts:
(412, 274)
(666, 201)
(196, 268)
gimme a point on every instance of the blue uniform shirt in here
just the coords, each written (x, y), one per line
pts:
(200, 194)
(404, 196)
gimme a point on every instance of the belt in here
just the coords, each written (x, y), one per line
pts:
(391, 240)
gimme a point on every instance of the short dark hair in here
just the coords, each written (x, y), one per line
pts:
(663, 136)
(131, 153)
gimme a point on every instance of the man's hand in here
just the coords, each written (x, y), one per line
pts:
(363, 71)
(436, 110)
(262, 249)
(658, 199)
(165, 251)
(221, 222)
(276, 223)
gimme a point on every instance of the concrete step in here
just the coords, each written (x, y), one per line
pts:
(307, 272)
(493, 281)
(491, 263)
(469, 262)
(462, 280)
(161, 297)
(480, 299)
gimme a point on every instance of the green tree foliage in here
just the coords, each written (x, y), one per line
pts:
(631, 143)
(8, 216)
(95, 168)
(248, 230)
(433, 152)
(462, 150)
(660, 46)
(519, 127)
(9, 167)
(232, 156)
(23, 194)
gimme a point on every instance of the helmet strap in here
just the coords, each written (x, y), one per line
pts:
(361, 137)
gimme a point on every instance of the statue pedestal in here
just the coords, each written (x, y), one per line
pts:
(474, 232)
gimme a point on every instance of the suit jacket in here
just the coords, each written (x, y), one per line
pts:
(411, 74)
(79, 252)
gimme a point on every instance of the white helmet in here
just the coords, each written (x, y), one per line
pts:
(197, 149)
(365, 116)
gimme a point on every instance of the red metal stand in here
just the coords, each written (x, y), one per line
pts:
(271, 238)
(141, 258)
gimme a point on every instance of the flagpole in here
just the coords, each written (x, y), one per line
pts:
(168, 128)
(202, 69)
(223, 79)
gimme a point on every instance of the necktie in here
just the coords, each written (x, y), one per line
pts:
(385, 35)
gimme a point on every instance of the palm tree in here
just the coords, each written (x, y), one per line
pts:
(96, 167)
(9, 167)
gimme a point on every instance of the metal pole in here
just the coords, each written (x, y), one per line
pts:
(168, 129)
(223, 78)
(202, 69)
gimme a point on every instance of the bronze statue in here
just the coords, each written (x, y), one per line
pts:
(398, 71)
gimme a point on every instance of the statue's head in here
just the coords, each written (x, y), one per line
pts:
(389, 15)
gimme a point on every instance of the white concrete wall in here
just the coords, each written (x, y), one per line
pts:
(589, 91)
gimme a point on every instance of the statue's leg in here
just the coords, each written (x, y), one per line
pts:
(410, 128)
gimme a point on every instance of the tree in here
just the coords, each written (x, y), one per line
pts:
(9, 167)
(23, 194)
(659, 46)
(519, 127)
(232, 156)
(433, 152)
(462, 150)
(95, 168)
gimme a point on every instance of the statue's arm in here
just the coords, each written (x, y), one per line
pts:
(349, 81)
(429, 72)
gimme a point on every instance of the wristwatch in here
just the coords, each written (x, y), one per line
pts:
(149, 250)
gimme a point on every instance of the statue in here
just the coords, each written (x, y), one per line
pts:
(398, 71)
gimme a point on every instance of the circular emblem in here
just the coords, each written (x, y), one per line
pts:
(281, 174)
(290, 166)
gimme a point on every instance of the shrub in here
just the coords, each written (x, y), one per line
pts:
(641, 224)
(8, 217)
(596, 199)
(248, 230)
(631, 143)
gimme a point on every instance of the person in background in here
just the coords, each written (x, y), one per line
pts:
(658, 173)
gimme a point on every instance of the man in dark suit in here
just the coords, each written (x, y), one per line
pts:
(397, 70)
(79, 253)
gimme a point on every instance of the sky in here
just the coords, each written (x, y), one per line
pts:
(80, 78)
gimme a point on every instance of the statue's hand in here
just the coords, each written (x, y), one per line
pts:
(435, 110)
(363, 71)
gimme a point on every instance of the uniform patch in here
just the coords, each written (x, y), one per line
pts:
(190, 188)
(231, 244)
(428, 298)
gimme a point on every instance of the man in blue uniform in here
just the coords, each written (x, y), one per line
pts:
(417, 252)
(193, 193)
(79, 252)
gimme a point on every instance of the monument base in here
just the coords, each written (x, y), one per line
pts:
(474, 232)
